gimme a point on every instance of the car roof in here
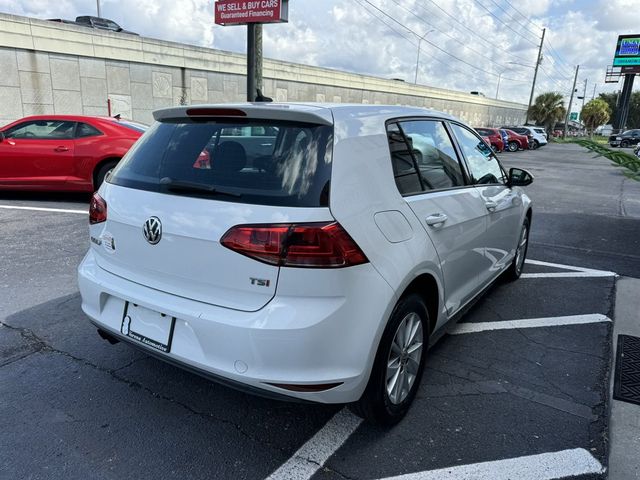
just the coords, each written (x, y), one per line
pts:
(72, 118)
(324, 113)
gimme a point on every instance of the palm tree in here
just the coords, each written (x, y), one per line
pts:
(596, 112)
(548, 109)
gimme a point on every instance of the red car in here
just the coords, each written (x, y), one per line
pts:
(495, 139)
(63, 152)
(517, 141)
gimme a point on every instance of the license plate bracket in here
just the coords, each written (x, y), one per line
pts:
(151, 328)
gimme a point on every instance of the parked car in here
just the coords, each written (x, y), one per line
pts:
(625, 139)
(63, 152)
(280, 271)
(604, 130)
(495, 137)
(94, 22)
(534, 139)
(516, 141)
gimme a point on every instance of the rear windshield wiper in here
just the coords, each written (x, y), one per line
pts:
(193, 187)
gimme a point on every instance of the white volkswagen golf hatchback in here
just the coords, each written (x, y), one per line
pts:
(308, 252)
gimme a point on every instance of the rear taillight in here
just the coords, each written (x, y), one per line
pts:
(97, 210)
(320, 245)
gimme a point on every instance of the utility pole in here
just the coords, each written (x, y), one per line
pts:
(254, 60)
(415, 80)
(584, 93)
(594, 91)
(98, 5)
(573, 89)
(535, 75)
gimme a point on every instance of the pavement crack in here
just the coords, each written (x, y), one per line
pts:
(44, 347)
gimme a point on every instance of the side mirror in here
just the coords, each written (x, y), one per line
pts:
(519, 177)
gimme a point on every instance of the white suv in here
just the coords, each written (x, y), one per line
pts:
(302, 251)
(538, 133)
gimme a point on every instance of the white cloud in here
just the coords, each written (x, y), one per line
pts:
(342, 34)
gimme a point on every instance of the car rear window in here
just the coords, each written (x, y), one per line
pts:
(136, 127)
(257, 162)
(484, 131)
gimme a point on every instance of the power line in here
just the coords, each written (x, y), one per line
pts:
(505, 24)
(433, 44)
(523, 15)
(512, 18)
(411, 42)
(449, 35)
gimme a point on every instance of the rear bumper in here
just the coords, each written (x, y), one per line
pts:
(292, 340)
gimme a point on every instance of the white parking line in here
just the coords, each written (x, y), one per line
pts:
(316, 451)
(42, 209)
(529, 323)
(545, 466)
(576, 272)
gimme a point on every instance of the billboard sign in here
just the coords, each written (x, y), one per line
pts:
(234, 12)
(627, 51)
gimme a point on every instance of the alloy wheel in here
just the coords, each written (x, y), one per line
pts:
(404, 358)
(521, 249)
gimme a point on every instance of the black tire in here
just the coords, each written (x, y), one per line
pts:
(102, 172)
(536, 144)
(513, 146)
(515, 269)
(624, 144)
(375, 405)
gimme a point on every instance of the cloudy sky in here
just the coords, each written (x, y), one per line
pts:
(469, 44)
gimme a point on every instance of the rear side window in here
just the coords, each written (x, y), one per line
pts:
(86, 130)
(258, 162)
(423, 157)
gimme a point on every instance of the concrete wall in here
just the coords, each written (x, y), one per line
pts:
(47, 67)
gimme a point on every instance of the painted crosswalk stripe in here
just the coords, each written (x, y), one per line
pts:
(544, 466)
(529, 323)
(316, 451)
(42, 209)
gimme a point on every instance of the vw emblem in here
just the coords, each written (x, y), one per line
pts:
(152, 230)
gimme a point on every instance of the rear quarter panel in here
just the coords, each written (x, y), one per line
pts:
(362, 185)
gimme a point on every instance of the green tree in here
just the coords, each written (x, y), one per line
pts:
(596, 112)
(633, 119)
(548, 109)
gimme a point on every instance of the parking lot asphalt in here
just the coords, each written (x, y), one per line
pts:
(517, 390)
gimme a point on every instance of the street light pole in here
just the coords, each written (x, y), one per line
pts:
(98, 5)
(415, 80)
(535, 75)
(498, 87)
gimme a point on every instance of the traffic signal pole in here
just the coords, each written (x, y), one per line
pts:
(573, 89)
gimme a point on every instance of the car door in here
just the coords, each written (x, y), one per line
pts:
(429, 175)
(501, 203)
(37, 153)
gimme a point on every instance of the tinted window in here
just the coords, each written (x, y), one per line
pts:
(483, 165)
(405, 169)
(42, 129)
(484, 131)
(292, 167)
(433, 153)
(86, 130)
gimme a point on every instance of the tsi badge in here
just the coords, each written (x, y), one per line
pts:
(260, 282)
(152, 230)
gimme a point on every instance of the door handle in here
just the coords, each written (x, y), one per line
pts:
(435, 219)
(491, 205)
(61, 148)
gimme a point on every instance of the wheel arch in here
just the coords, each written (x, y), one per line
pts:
(100, 164)
(426, 285)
